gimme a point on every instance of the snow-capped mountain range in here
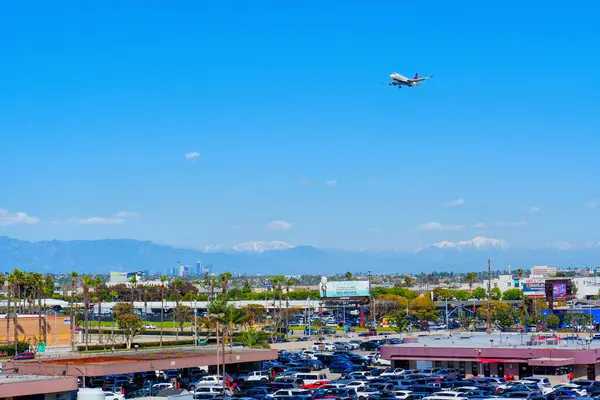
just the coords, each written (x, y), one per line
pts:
(274, 257)
(249, 247)
(477, 243)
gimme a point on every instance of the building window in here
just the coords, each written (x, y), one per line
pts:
(450, 364)
(474, 369)
(462, 368)
(437, 364)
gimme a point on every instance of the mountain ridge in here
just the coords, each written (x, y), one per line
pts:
(94, 256)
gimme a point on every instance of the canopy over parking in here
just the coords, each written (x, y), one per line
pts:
(135, 361)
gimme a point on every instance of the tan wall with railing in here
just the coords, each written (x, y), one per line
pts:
(58, 332)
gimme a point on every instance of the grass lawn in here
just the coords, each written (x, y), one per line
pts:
(165, 324)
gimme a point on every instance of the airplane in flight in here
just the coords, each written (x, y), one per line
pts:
(399, 80)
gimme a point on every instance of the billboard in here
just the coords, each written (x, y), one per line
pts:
(559, 289)
(534, 287)
(344, 289)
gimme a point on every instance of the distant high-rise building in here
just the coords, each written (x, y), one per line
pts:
(198, 268)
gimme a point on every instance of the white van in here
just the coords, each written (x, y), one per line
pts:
(310, 378)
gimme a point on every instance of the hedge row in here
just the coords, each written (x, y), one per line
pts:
(10, 348)
(147, 332)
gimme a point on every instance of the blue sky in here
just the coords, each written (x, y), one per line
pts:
(285, 107)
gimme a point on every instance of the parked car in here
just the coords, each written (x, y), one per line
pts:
(369, 345)
(26, 355)
(149, 326)
(256, 376)
(323, 346)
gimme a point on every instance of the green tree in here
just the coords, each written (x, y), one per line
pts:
(348, 276)
(553, 321)
(479, 293)
(122, 309)
(132, 325)
(254, 339)
(496, 293)
(246, 287)
(424, 309)
(400, 321)
(471, 278)
(462, 295)
(513, 294)
(408, 281)
(504, 316)
(182, 315)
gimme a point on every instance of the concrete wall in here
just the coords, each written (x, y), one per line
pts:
(27, 325)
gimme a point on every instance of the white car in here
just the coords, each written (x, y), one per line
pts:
(392, 372)
(257, 376)
(570, 386)
(157, 387)
(210, 380)
(291, 392)
(208, 390)
(113, 396)
(380, 362)
(356, 384)
(323, 346)
(402, 394)
(149, 326)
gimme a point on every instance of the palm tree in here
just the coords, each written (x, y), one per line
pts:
(288, 284)
(16, 278)
(87, 281)
(163, 279)
(471, 279)
(176, 284)
(113, 295)
(133, 281)
(520, 273)
(408, 281)
(38, 282)
(98, 292)
(74, 276)
(225, 278)
(348, 276)
(3, 281)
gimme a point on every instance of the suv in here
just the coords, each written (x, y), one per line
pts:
(369, 346)
(257, 376)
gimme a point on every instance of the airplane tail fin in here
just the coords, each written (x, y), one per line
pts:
(416, 76)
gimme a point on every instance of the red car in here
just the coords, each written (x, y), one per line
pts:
(26, 355)
(314, 385)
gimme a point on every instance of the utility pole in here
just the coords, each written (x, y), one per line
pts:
(489, 299)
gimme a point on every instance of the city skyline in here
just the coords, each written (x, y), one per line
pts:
(239, 123)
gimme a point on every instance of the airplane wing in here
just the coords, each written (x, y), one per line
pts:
(422, 79)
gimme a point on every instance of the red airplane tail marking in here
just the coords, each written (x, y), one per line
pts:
(416, 76)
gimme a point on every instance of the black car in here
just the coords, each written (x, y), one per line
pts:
(369, 346)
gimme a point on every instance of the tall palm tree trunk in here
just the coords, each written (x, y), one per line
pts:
(17, 295)
(162, 312)
(9, 292)
(72, 336)
(86, 314)
(39, 296)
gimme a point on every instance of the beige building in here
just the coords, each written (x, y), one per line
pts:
(545, 271)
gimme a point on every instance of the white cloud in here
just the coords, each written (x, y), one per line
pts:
(512, 224)
(533, 209)
(480, 225)
(16, 218)
(192, 155)
(126, 214)
(436, 226)
(99, 221)
(593, 204)
(454, 203)
(279, 226)
(304, 181)
(331, 182)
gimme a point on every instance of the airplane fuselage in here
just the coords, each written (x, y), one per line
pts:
(400, 80)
